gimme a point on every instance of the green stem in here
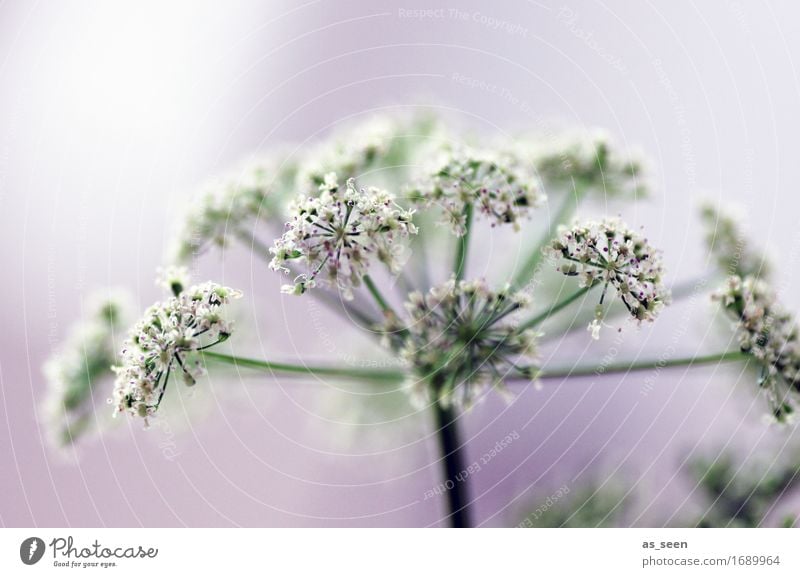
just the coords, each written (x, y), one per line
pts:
(565, 212)
(250, 240)
(403, 285)
(454, 466)
(627, 367)
(310, 370)
(383, 304)
(680, 291)
(460, 264)
(345, 308)
(419, 244)
(540, 318)
(422, 267)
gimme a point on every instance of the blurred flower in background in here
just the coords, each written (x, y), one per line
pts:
(78, 370)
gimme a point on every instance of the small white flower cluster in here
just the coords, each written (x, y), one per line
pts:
(228, 208)
(500, 187)
(729, 245)
(349, 152)
(459, 341)
(608, 252)
(164, 340)
(80, 364)
(337, 233)
(590, 162)
(768, 333)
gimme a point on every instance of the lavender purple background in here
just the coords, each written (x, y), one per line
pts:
(112, 114)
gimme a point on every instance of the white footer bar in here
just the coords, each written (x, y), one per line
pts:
(406, 552)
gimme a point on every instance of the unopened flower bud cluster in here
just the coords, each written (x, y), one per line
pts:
(460, 338)
(769, 334)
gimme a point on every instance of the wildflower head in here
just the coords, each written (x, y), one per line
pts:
(84, 360)
(228, 207)
(335, 235)
(590, 162)
(728, 244)
(608, 253)
(369, 149)
(164, 341)
(499, 187)
(459, 339)
(769, 334)
(349, 152)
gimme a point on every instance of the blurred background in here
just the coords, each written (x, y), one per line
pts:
(113, 114)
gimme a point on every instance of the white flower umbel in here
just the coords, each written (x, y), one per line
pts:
(80, 364)
(459, 340)
(229, 207)
(728, 243)
(769, 334)
(499, 187)
(590, 162)
(336, 234)
(609, 253)
(164, 341)
(349, 152)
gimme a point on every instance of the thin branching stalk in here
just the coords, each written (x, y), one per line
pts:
(564, 214)
(633, 366)
(346, 309)
(460, 263)
(419, 246)
(381, 301)
(680, 291)
(542, 317)
(250, 240)
(380, 375)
